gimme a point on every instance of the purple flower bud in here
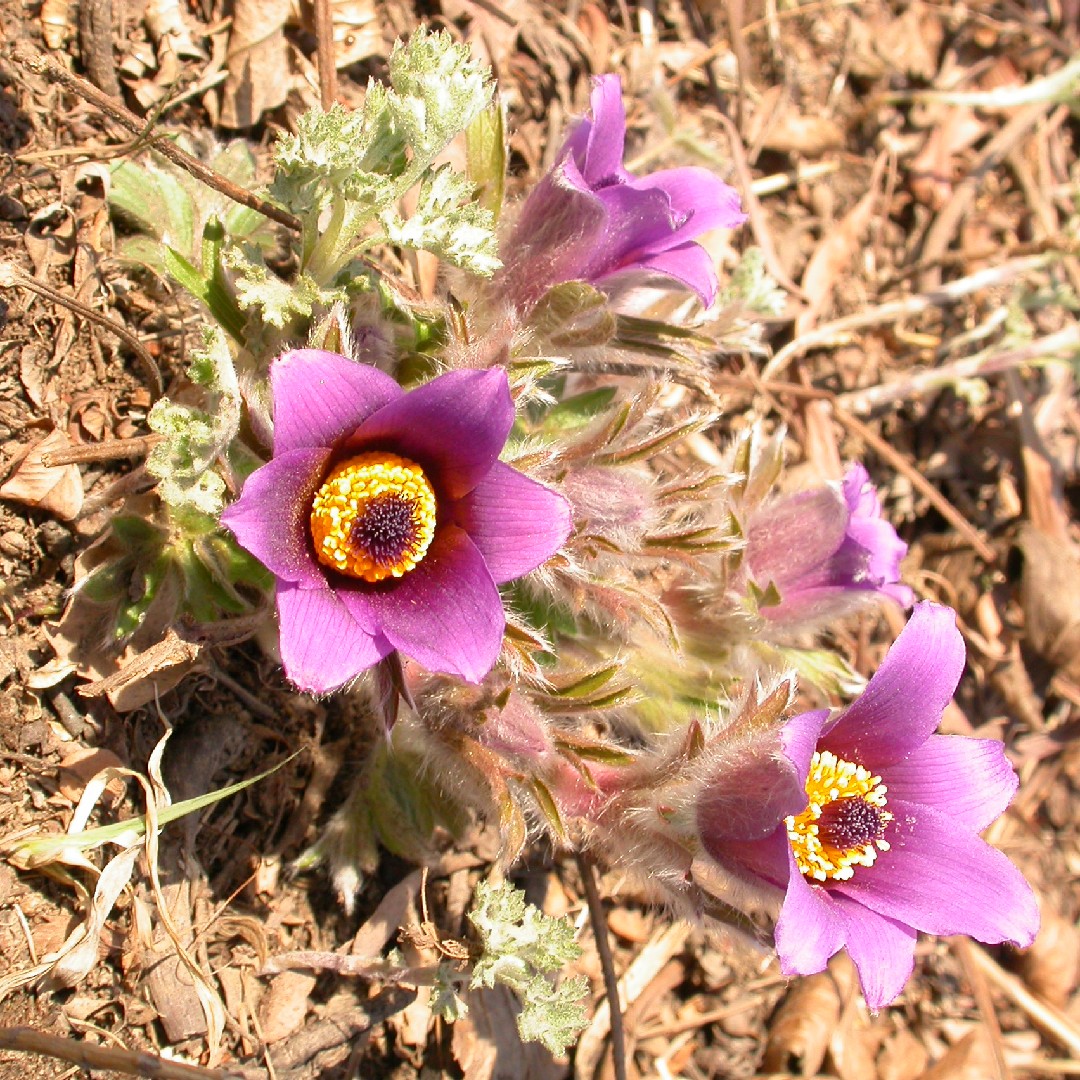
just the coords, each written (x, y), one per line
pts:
(814, 554)
(590, 220)
(388, 519)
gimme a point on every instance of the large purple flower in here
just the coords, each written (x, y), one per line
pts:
(388, 519)
(821, 549)
(888, 843)
(589, 219)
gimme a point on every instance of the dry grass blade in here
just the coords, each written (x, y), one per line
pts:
(895, 310)
(116, 1059)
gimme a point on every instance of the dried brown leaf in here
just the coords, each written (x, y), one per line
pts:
(808, 136)
(285, 1004)
(972, 1058)
(486, 1042)
(902, 1057)
(34, 375)
(146, 675)
(933, 168)
(802, 1027)
(57, 490)
(258, 62)
(1051, 966)
(1050, 597)
(836, 253)
(80, 763)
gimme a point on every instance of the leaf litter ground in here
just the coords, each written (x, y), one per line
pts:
(925, 332)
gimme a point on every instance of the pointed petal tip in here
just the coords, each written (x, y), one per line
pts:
(320, 397)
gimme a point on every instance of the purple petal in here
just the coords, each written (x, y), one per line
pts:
(791, 539)
(903, 702)
(882, 949)
(760, 861)
(555, 237)
(641, 221)
(597, 144)
(322, 647)
(515, 522)
(799, 739)
(320, 397)
(723, 812)
(689, 263)
(356, 597)
(446, 613)
(696, 194)
(970, 781)
(942, 879)
(455, 425)
(809, 930)
(271, 519)
(868, 529)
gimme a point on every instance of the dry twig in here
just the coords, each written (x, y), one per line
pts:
(11, 275)
(607, 964)
(44, 65)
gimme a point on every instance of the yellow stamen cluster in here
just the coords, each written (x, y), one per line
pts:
(832, 779)
(392, 490)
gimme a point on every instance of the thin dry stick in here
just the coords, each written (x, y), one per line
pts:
(109, 450)
(607, 964)
(949, 217)
(324, 52)
(1052, 1021)
(117, 1059)
(754, 209)
(11, 275)
(895, 310)
(926, 380)
(901, 464)
(51, 69)
(983, 1002)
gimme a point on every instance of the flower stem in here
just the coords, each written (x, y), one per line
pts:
(607, 965)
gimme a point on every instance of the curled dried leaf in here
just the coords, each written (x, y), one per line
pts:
(58, 490)
(803, 1025)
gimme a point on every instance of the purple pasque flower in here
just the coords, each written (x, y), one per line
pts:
(388, 519)
(590, 220)
(821, 549)
(888, 841)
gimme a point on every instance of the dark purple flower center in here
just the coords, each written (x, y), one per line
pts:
(387, 530)
(851, 823)
(374, 517)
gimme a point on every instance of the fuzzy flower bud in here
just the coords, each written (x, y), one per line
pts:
(813, 555)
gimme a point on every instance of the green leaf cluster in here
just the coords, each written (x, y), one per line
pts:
(170, 209)
(184, 462)
(342, 173)
(521, 947)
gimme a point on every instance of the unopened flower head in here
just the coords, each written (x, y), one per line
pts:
(388, 519)
(591, 220)
(819, 552)
(887, 842)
